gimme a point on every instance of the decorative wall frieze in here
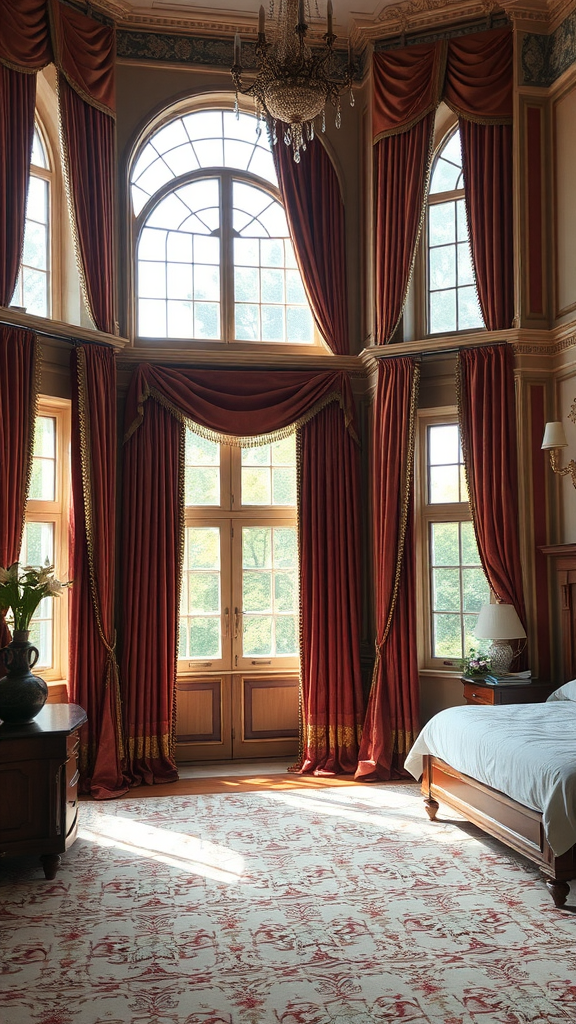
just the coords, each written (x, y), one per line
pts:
(201, 51)
(546, 57)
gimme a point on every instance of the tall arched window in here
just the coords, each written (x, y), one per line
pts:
(33, 287)
(452, 297)
(213, 256)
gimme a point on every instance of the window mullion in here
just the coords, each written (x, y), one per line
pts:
(227, 258)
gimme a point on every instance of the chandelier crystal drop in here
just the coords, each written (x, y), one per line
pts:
(293, 83)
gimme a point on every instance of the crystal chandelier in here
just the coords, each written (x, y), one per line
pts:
(293, 83)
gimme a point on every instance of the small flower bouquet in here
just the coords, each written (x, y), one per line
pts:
(21, 590)
(477, 664)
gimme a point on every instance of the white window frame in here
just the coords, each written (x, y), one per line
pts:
(429, 513)
(227, 323)
(230, 516)
(57, 513)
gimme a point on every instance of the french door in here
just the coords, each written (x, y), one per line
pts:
(237, 690)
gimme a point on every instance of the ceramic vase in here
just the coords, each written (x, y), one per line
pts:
(22, 694)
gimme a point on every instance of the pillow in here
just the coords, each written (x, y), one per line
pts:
(566, 692)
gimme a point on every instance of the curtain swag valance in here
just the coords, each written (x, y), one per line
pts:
(472, 74)
(40, 32)
(238, 408)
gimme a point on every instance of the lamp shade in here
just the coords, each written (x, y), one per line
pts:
(499, 622)
(554, 436)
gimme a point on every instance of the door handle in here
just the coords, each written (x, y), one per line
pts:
(237, 618)
(226, 622)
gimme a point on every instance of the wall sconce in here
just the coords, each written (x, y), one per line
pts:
(554, 439)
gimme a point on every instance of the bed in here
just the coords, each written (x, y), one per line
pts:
(527, 798)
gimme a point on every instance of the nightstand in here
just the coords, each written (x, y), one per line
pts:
(501, 693)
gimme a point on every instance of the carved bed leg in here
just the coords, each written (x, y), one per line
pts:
(431, 806)
(50, 863)
(558, 891)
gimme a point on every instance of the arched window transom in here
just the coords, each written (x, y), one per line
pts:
(214, 260)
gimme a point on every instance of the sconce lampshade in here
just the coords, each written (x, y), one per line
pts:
(554, 437)
(500, 624)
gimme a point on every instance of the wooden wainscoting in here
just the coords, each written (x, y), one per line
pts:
(223, 717)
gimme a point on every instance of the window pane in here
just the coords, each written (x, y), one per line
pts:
(475, 589)
(443, 444)
(443, 267)
(269, 591)
(469, 315)
(446, 590)
(38, 549)
(447, 637)
(200, 601)
(43, 478)
(202, 470)
(445, 548)
(442, 224)
(442, 311)
(269, 473)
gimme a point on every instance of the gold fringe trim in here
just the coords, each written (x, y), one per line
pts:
(71, 208)
(477, 119)
(149, 746)
(330, 736)
(112, 676)
(232, 439)
(22, 70)
(406, 488)
(463, 423)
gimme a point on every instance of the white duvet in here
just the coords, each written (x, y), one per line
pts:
(527, 751)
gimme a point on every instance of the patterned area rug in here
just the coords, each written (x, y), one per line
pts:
(300, 906)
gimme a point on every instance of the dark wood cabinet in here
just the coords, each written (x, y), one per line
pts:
(39, 785)
(516, 693)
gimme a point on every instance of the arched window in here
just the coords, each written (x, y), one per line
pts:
(452, 297)
(213, 256)
(33, 287)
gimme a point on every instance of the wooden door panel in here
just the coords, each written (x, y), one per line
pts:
(265, 716)
(203, 719)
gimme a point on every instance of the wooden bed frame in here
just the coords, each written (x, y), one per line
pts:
(500, 816)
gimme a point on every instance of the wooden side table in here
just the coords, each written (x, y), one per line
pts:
(482, 692)
(39, 785)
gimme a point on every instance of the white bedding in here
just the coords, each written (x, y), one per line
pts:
(527, 751)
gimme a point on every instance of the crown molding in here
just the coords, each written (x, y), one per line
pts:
(424, 15)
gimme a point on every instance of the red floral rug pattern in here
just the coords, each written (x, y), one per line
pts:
(340, 906)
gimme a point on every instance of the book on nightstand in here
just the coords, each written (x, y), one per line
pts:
(510, 679)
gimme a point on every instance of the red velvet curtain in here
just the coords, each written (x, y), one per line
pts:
(17, 101)
(85, 56)
(479, 75)
(401, 169)
(391, 722)
(152, 551)
(487, 411)
(90, 148)
(246, 404)
(330, 559)
(407, 86)
(474, 75)
(18, 392)
(24, 49)
(487, 165)
(315, 212)
(93, 677)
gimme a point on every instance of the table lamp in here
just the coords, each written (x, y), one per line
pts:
(500, 624)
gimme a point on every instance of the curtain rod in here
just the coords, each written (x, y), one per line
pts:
(401, 39)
